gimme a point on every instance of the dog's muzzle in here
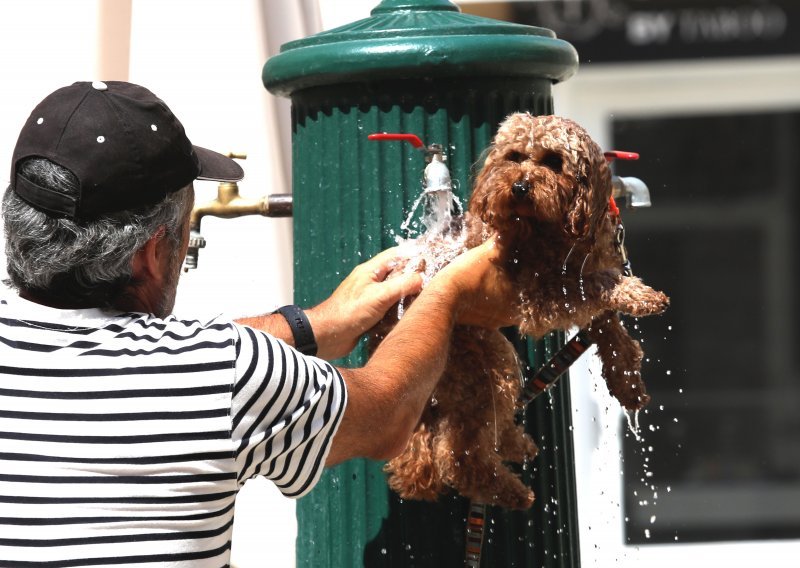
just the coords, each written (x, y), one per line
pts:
(520, 188)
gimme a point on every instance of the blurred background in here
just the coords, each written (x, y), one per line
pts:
(707, 91)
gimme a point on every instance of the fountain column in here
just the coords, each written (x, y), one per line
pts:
(421, 67)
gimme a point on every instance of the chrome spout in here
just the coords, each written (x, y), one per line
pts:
(631, 190)
(437, 175)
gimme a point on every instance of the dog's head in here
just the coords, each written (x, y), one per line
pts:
(545, 171)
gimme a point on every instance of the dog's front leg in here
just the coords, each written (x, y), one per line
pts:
(633, 297)
(621, 357)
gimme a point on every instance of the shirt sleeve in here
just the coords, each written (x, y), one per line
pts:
(285, 411)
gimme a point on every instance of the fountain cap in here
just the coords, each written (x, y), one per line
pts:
(419, 39)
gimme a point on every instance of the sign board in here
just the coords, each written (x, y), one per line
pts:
(647, 30)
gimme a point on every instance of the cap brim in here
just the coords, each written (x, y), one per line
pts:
(216, 167)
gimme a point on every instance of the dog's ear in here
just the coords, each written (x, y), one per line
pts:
(579, 213)
(479, 199)
(589, 199)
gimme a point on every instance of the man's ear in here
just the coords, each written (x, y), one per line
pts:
(146, 261)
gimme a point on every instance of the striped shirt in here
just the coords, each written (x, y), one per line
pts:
(125, 438)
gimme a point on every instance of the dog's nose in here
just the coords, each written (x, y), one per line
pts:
(520, 188)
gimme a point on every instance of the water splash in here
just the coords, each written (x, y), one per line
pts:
(580, 277)
(633, 424)
(566, 259)
(437, 214)
(442, 238)
(564, 272)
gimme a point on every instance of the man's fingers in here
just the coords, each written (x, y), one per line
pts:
(381, 264)
(409, 284)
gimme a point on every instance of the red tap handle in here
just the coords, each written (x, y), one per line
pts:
(412, 139)
(617, 155)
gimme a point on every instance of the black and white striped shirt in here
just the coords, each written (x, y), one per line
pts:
(125, 438)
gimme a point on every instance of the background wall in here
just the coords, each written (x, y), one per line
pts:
(204, 58)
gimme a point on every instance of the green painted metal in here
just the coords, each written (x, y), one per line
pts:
(351, 197)
(415, 40)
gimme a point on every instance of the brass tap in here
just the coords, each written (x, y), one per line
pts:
(228, 205)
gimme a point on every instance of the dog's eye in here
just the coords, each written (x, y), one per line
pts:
(515, 156)
(552, 161)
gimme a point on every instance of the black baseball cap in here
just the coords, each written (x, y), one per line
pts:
(122, 142)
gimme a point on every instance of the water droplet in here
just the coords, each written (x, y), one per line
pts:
(40, 120)
(101, 139)
(153, 127)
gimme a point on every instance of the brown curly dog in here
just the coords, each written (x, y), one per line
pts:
(544, 191)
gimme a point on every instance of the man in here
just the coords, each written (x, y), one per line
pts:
(125, 433)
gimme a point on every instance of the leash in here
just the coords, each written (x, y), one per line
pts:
(544, 378)
(476, 524)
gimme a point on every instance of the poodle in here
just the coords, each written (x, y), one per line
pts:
(544, 193)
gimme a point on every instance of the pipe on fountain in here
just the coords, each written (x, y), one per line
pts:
(229, 205)
(631, 190)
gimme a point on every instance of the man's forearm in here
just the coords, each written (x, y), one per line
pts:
(388, 395)
(414, 353)
(273, 324)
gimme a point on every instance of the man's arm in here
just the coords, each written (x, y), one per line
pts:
(387, 396)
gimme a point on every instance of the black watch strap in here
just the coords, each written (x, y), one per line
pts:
(302, 333)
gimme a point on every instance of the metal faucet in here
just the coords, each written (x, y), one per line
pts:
(228, 205)
(632, 191)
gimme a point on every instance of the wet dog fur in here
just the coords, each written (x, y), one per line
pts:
(544, 192)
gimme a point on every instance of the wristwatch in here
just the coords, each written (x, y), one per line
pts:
(302, 333)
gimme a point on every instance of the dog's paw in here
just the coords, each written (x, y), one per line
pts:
(515, 497)
(633, 297)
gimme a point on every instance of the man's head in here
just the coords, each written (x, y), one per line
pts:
(99, 171)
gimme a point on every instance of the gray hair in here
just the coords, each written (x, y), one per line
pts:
(85, 263)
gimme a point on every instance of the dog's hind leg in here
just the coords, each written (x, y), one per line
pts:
(413, 474)
(486, 479)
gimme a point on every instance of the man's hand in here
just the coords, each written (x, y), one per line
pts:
(359, 303)
(484, 296)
